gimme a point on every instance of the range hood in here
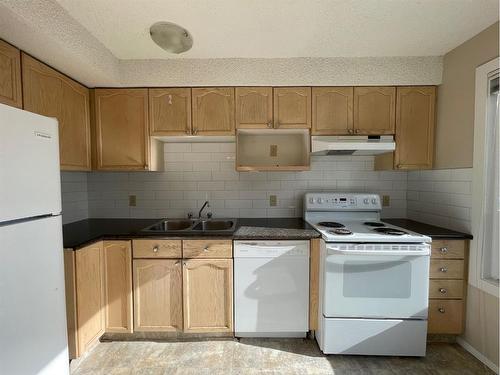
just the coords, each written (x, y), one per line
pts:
(352, 145)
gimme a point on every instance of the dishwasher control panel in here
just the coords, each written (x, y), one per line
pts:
(270, 249)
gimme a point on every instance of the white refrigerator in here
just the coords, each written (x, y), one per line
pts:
(33, 336)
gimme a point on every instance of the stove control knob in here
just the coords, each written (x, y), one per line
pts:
(374, 200)
(319, 200)
(311, 200)
(366, 201)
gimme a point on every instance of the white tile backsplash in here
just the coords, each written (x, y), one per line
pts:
(199, 171)
(441, 197)
(74, 192)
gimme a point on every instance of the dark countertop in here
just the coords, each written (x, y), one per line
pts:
(436, 233)
(83, 232)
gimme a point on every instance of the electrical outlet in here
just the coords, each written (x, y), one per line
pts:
(273, 150)
(386, 200)
(132, 200)
(273, 200)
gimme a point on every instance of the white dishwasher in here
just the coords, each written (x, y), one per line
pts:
(271, 288)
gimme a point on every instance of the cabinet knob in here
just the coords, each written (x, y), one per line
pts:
(269, 124)
(398, 166)
(205, 249)
(195, 131)
(443, 269)
(441, 310)
(155, 249)
(177, 263)
(442, 290)
(356, 131)
(443, 250)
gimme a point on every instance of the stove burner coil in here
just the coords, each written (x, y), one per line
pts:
(390, 231)
(331, 224)
(374, 224)
(341, 231)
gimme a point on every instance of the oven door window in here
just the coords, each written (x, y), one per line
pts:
(365, 279)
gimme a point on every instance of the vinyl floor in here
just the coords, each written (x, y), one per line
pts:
(263, 356)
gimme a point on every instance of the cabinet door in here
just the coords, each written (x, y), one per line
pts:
(170, 111)
(10, 75)
(89, 295)
(208, 295)
(213, 111)
(415, 117)
(157, 295)
(332, 110)
(118, 286)
(374, 110)
(254, 107)
(49, 93)
(292, 107)
(121, 129)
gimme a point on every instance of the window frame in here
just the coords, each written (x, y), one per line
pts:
(476, 279)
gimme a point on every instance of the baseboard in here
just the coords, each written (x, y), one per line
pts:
(464, 344)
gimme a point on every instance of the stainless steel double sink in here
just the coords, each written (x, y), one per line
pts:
(193, 226)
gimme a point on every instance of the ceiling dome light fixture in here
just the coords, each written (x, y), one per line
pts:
(171, 37)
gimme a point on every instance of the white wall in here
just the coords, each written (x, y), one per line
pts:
(199, 171)
(441, 197)
(74, 196)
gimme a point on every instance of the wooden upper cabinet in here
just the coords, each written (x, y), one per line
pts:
(118, 286)
(50, 93)
(415, 118)
(89, 295)
(374, 110)
(208, 295)
(121, 129)
(254, 107)
(10, 75)
(292, 107)
(157, 295)
(170, 111)
(332, 110)
(213, 111)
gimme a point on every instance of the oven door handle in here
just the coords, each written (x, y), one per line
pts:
(423, 252)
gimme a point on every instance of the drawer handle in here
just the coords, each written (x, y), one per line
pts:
(443, 250)
(155, 249)
(177, 263)
(441, 310)
(443, 269)
(205, 249)
(442, 290)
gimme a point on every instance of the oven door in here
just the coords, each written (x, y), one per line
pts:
(376, 281)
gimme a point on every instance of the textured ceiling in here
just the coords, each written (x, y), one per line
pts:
(124, 55)
(287, 28)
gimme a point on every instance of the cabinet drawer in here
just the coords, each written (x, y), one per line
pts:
(445, 316)
(207, 249)
(446, 289)
(448, 249)
(446, 269)
(151, 248)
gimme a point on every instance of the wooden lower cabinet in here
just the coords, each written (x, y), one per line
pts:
(157, 295)
(118, 286)
(447, 287)
(208, 295)
(84, 270)
(446, 316)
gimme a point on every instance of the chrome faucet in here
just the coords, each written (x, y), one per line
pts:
(206, 204)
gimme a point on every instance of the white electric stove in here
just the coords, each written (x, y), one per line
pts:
(374, 278)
